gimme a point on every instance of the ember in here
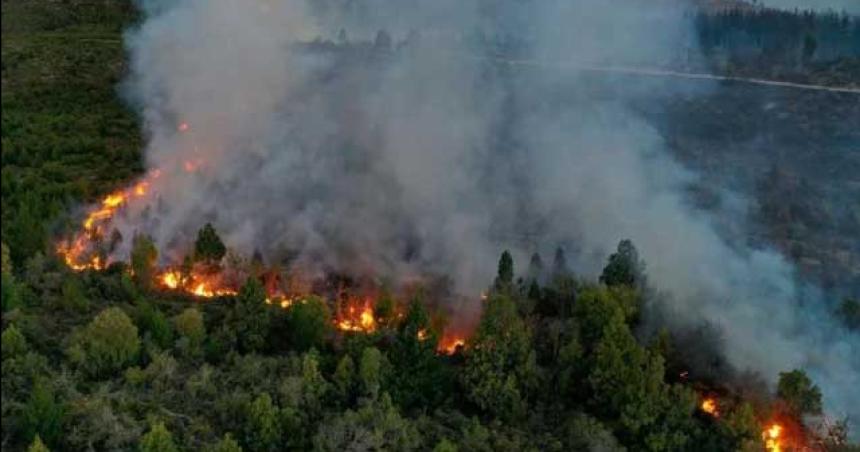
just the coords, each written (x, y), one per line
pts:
(709, 405)
(772, 438)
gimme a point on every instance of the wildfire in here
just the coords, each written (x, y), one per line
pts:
(171, 279)
(450, 345)
(195, 284)
(709, 405)
(80, 252)
(772, 438)
(358, 318)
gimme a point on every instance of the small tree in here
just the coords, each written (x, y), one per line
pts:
(209, 248)
(13, 343)
(42, 414)
(189, 324)
(158, 439)
(262, 426)
(9, 293)
(250, 318)
(799, 393)
(144, 256)
(38, 446)
(849, 313)
(107, 344)
(227, 444)
(308, 323)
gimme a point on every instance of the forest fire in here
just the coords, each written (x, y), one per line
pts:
(709, 406)
(450, 344)
(357, 317)
(81, 252)
(772, 437)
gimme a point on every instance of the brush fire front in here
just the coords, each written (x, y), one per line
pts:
(354, 306)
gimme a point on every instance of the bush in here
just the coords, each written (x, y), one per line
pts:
(107, 344)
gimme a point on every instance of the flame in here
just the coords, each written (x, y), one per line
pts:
(422, 335)
(171, 279)
(79, 252)
(772, 438)
(449, 345)
(709, 405)
(357, 318)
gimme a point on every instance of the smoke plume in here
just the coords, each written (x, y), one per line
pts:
(420, 151)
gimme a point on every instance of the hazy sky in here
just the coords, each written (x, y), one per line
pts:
(851, 6)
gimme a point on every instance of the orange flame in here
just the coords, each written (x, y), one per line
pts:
(772, 438)
(79, 252)
(709, 405)
(357, 318)
(450, 344)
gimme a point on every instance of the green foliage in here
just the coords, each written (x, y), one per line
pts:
(9, 292)
(370, 372)
(42, 414)
(262, 424)
(6, 262)
(849, 313)
(799, 393)
(73, 297)
(154, 325)
(421, 380)
(226, 444)
(144, 256)
(158, 439)
(344, 379)
(505, 273)
(14, 344)
(38, 445)
(191, 327)
(624, 267)
(445, 446)
(375, 426)
(308, 323)
(582, 432)
(208, 247)
(250, 317)
(500, 370)
(107, 344)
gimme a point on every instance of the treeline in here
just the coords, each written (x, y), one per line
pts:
(768, 38)
(95, 360)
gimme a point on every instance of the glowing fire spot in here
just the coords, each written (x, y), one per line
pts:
(183, 127)
(358, 319)
(171, 279)
(709, 406)
(771, 437)
(450, 345)
(422, 335)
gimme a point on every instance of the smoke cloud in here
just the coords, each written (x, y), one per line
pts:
(427, 156)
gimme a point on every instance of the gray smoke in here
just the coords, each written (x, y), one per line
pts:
(428, 157)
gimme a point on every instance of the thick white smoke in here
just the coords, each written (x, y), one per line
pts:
(425, 157)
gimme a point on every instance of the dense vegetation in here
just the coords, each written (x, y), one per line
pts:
(102, 361)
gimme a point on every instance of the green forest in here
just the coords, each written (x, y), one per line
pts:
(103, 360)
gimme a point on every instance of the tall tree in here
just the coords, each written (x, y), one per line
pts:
(209, 248)
(624, 267)
(505, 274)
(799, 393)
